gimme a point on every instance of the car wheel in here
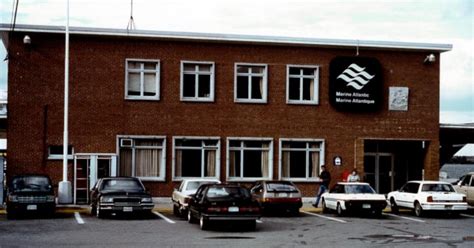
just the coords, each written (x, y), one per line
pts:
(11, 214)
(93, 210)
(339, 210)
(176, 210)
(294, 212)
(190, 217)
(252, 225)
(203, 223)
(393, 206)
(324, 207)
(418, 209)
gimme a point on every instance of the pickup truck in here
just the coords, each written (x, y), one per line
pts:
(181, 195)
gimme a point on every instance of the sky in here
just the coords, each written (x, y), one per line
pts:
(430, 21)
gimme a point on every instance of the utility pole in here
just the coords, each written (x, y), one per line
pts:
(64, 188)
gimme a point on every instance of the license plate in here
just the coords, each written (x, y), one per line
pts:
(127, 209)
(283, 194)
(365, 205)
(233, 209)
(448, 206)
(31, 207)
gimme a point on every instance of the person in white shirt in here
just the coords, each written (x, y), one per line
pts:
(353, 177)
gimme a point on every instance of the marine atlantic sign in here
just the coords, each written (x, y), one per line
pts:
(355, 84)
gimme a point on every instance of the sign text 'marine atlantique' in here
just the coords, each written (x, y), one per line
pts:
(355, 84)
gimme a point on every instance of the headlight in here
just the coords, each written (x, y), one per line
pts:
(50, 198)
(12, 198)
(147, 199)
(106, 199)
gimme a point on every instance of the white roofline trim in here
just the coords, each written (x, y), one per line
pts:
(232, 38)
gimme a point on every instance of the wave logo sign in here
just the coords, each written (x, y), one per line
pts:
(355, 76)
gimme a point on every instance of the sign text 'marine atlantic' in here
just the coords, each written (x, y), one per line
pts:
(355, 84)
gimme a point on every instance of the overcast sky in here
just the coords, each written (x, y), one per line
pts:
(432, 21)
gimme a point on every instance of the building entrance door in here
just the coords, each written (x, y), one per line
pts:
(379, 171)
(87, 169)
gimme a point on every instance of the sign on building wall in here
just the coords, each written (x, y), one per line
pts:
(355, 84)
(398, 98)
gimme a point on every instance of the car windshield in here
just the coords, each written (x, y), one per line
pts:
(122, 184)
(437, 187)
(227, 193)
(31, 183)
(281, 187)
(195, 185)
(359, 189)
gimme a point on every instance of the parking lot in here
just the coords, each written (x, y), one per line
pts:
(76, 227)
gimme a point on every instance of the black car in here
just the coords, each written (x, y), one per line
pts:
(223, 202)
(120, 195)
(30, 194)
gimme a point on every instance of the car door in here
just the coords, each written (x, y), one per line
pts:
(463, 185)
(257, 192)
(470, 192)
(411, 194)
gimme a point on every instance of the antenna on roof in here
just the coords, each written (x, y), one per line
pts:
(131, 22)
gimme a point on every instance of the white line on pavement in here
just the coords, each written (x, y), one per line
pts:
(406, 218)
(467, 215)
(79, 219)
(325, 217)
(164, 217)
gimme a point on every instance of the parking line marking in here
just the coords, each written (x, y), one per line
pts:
(78, 217)
(406, 218)
(467, 215)
(325, 217)
(259, 221)
(164, 217)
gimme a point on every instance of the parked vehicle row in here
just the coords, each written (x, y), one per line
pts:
(209, 201)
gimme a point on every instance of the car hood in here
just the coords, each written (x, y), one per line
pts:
(31, 193)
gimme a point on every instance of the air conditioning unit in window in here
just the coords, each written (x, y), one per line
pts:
(126, 143)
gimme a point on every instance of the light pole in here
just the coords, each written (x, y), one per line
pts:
(64, 187)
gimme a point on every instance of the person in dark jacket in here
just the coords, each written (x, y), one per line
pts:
(325, 176)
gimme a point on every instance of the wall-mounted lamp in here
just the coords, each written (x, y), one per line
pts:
(430, 59)
(27, 40)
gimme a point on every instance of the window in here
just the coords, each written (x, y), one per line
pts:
(56, 152)
(302, 84)
(197, 81)
(142, 79)
(249, 159)
(301, 159)
(250, 83)
(196, 157)
(410, 188)
(142, 157)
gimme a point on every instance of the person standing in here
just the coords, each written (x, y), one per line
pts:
(353, 177)
(326, 179)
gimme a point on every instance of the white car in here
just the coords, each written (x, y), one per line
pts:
(465, 185)
(353, 197)
(181, 195)
(424, 196)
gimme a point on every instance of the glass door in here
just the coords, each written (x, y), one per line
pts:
(378, 170)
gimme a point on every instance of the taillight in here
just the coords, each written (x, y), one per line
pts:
(216, 209)
(429, 199)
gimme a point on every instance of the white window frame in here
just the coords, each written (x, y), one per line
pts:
(249, 75)
(162, 172)
(196, 73)
(203, 149)
(249, 179)
(142, 72)
(321, 150)
(315, 101)
(69, 156)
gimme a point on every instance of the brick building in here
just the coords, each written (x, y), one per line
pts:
(165, 106)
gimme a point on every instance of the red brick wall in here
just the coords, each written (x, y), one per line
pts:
(98, 111)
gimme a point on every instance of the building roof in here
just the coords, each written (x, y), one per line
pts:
(233, 38)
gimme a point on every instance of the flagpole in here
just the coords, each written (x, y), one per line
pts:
(65, 189)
